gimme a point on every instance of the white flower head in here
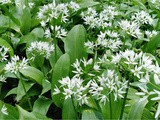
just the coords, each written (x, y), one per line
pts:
(41, 48)
(2, 78)
(4, 110)
(5, 1)
(16, 64)
(3, 53)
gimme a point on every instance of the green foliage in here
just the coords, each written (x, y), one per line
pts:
(74, 43)
(61, 69)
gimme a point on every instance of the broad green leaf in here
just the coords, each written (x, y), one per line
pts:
(25, 21)
(147, 115)
(61, 70)
(152, 45)
(68, 111)
(14, 19)
(34, 35)
(139, 3)
(30, 37)
(88, 3)
(12, 91)
(34, 74)
(90, 115)
(38, 32)
(20, 89)
(6, 44)
(74, 43)
(42, 105)
(137, 110)
(46, 86)
(25, 115)
(52, 58)
(12, 112)
(116, 107)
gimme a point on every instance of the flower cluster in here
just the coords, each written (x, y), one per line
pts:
(85, 67)
(109, 82)
(5, 1)
(59, 32)
(53, 11)
(40, 48)
(73, 88)
(99, 20)
(109, 39)
(142, 17)
(155, 3)
(151, 34)
(130, 27)
(15, 65)
(2, 78)
(4, 110)
(3, 53)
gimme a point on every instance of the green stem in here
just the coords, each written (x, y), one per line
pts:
(22, 82)
(55, 41)
(110, 105)
(124, 102)
(74, 107)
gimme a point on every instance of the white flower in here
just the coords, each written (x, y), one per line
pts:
(41, 48)
(4, 110)
(116, 58)
(3, 53)
(56, 91)
(31, 4)
(47, 32)
(73, 88)
(68, 93)
(16, 64)
(89, 45)
(60, 32)
(158, 111)
(5, 1)
(131, 27)
(2, 78)
(151, 34)
(74, 6)
(137, 71)
(142, 17)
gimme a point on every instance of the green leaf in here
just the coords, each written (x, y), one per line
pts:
(20, 89)
(46, 86)
(12, 91)
(147, 115)
(15, 20)
(137, 110)
(26, 21)
(38, 32)
(139, 3)
(88, 3)
(68, 111)
(74, 43)
(25, 115)
(6, 44)
(61, 70)
(52, 58)
(12, 112)
(34, 74)
(90, 115)
(116, 109)
(42, 105)
(152, 45)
